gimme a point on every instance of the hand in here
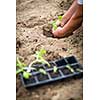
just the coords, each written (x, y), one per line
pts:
(71, 21)
(58, 32)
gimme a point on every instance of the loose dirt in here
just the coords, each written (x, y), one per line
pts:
(32, 17)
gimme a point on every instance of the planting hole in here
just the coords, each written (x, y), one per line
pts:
(61, 62)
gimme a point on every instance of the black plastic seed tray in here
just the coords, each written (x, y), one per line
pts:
(63, 72)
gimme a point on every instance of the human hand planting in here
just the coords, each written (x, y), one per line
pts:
(71, 20)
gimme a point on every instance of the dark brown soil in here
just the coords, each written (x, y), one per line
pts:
(32, 18)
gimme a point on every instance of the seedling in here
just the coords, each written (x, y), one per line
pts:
(39, 58)
(26, 75)
(60, 18)
(56, 23)
(55, 69)
(79, 70)
(20, 69)
(42, 71)
(19, 63)
(69, 67)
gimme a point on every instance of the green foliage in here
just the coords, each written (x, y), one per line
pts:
(19, 63)
(39, 57)
(20, 69)
(59, 18)
(69, 67)
(55, 69)
(79, 70)
(54, 25)
(42, 71)
(26, 75)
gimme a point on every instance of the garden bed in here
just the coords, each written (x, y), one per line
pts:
(32, 16)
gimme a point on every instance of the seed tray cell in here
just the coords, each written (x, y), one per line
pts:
(63, 72)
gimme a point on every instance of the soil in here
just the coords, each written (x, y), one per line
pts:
(65, 71)
(42, 77)
(32, 17)
(54, 75)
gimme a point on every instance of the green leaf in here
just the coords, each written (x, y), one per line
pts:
(43, 61)
(26, 75)
(54, 25)
(55, 69)
(19, 63)
(60, 18)
(69, 67)
(19, 71)
(79, 70)
(42, 52)
(42, 71)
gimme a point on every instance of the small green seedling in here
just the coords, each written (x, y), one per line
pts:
(79, 70)
(55, 69)
(59, 18)
(39, 58)
(56, 23)
(19, 63)
(20, 69)
(69, 67)
(42, 71)
(26, 75)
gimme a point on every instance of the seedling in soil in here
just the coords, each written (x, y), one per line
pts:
(69, 67)
(42, 71)
(55, 69)
(56, 23)
(39, 58)
(60, 18)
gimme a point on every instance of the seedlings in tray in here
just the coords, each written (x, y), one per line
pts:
(26, 75)
(21, 68)
(69, 67)
(42, 71)
(79, 70)
(55, 69)
(39, 58)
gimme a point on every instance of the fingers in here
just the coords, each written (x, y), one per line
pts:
(64, 20)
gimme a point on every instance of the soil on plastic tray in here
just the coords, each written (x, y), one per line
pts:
(32, 17)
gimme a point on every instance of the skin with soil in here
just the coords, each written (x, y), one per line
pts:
(32, 17)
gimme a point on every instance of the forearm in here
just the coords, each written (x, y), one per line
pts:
(75, 19)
